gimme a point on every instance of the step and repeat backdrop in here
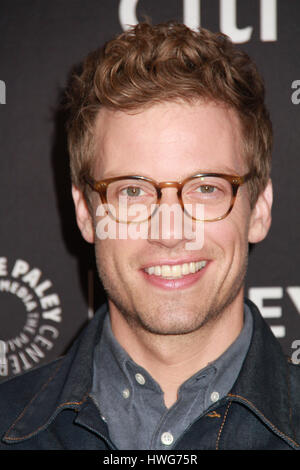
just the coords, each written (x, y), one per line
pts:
(49, 287)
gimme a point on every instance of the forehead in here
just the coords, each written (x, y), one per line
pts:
(168, 141)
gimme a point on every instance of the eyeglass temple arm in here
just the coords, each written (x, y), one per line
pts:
(86, 179)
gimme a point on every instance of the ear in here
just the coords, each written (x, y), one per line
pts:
(261, 218)
(83, 216)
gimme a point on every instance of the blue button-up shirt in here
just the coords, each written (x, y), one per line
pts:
(125, 392)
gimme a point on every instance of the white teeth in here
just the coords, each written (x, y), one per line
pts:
(192, 267)
(166, 270)
(175, 271)
(157, 270)
(185, 269)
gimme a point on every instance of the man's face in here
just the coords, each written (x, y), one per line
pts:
(169, 142)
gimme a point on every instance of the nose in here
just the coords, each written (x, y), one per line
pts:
(166, 226)
(169, 195)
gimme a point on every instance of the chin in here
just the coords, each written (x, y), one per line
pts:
(162, 322)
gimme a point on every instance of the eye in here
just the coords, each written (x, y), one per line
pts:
(207, 189)
(132, 191)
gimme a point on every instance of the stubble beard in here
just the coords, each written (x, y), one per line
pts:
(138, 317)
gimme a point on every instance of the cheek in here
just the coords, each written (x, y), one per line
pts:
(117, 256)
(108, 258)
(229, 235)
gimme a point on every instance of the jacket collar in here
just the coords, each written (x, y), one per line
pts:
(262, 384)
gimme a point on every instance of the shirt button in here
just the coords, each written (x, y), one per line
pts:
(214, 396)
(140, 379)
(167, 438)
(126, 393)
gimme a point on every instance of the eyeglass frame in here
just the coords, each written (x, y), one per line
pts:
(101, 186)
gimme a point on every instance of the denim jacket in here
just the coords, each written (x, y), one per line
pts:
(50, 407)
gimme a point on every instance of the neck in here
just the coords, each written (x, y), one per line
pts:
(172, 359)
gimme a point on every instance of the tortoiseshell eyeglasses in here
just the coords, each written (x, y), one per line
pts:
(216, 192)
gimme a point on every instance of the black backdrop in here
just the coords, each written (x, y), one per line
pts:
(48, 284)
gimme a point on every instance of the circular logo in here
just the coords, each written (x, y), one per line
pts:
(30, 317)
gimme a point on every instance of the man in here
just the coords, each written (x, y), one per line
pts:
(178, 359)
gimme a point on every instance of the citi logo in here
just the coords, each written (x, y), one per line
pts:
(227, 18)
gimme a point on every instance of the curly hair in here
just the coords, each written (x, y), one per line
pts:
(151, 64)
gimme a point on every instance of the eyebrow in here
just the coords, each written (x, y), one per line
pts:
(225, 170)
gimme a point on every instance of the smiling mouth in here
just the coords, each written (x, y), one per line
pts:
(175, 271)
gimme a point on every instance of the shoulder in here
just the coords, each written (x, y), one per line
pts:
(27, 382)
(34, 396)
(16, 393)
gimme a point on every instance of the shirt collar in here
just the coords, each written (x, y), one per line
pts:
(114, 365)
